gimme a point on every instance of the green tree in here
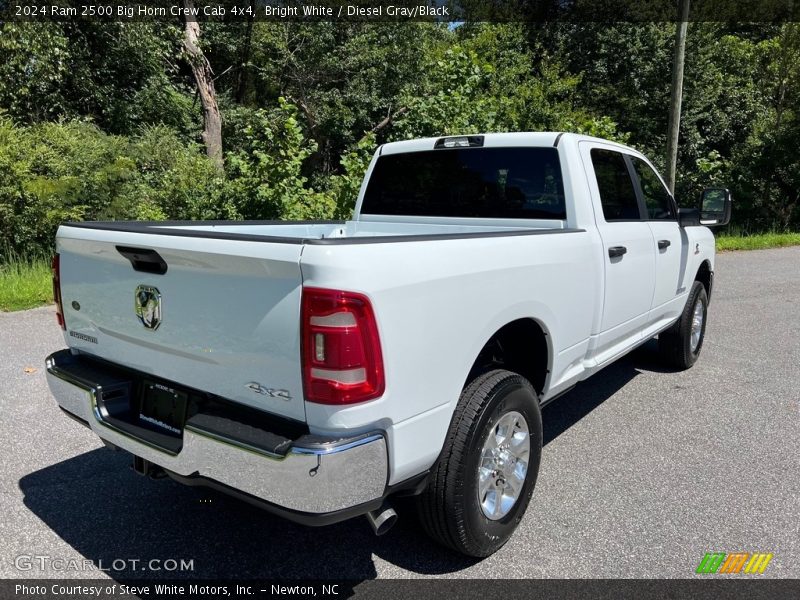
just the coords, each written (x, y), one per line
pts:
(766, 168)
(120, 75)
(266, 179)
(486, 78)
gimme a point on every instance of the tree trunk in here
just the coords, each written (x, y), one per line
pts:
(204, 79)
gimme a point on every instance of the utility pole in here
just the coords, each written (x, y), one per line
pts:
(676, 94)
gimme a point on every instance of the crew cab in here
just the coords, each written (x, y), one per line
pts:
(320, 369)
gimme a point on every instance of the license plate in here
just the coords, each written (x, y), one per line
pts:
(163, 408)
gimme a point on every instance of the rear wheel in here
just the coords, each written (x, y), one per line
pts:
(481, 485)
(680, 345)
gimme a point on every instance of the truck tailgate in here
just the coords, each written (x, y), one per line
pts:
(223, 318)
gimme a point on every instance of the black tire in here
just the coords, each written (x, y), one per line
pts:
(675, 344)
(449, 508)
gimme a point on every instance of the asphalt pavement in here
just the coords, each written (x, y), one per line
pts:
(644, 471)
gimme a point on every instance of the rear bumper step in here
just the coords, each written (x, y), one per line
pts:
(309, 474)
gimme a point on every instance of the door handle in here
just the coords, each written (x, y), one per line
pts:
(616, 251)
(662, 244)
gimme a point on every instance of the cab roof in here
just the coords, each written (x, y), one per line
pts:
(511, 139)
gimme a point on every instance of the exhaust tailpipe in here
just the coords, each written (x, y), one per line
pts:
(382, 519)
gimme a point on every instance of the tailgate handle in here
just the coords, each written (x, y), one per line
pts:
(145, 260)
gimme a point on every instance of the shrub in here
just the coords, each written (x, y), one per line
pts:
(56, 172)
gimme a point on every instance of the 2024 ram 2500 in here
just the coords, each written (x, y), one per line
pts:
(319, 369)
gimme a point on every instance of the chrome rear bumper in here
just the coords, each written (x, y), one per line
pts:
(315, 475)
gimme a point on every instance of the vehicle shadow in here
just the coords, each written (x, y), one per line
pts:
(101, 508)
(570, 408)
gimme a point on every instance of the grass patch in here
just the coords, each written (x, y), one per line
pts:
(25, 284)
(757, 241)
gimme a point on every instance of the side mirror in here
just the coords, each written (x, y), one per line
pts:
(715, 207)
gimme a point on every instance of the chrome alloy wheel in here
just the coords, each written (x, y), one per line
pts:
(503, 465)
(697, 325)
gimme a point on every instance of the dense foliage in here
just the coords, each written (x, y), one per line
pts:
(100, 121)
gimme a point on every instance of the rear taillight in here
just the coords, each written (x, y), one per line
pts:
(342, 362)
(56, 265)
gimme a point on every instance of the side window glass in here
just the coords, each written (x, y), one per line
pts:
(656, 196)
(617, 194)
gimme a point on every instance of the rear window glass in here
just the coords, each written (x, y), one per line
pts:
(501, 183)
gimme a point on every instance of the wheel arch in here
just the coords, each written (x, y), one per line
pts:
(705, 275)
(523, 346)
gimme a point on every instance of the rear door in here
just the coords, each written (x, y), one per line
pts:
(628, 252)
(223, 317)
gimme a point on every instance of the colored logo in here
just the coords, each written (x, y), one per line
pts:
(737, 562)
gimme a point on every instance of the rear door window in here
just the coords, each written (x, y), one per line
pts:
(617, 192)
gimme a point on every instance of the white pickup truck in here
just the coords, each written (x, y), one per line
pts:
(320, 369)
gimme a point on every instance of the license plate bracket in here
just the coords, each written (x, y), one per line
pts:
(163, 408)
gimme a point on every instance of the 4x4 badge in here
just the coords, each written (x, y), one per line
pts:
(147, 303)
